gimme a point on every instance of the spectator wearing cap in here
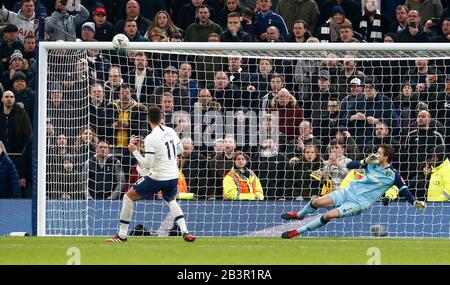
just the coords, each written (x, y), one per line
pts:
(371, 108)
(22, 93)
(24, 19)
(348, 104)
(203, 26)
(133, 12)
(61, 25)
(170, 84)
(15, 125)
(329, 32)
(372, 25)
(16, 63)
(104, 30)
(132, 32)
(9, 44)
(351, 8)
(9, 177)
(265, 18)
(91, 5)
(88, 32)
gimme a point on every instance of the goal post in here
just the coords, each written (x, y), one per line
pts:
(67, 204)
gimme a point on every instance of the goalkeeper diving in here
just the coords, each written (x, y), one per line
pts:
(358, 196)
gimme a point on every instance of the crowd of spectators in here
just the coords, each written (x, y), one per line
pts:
(316, 115)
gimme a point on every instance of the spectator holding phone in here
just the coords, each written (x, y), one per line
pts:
(443, 37)
(414, 31)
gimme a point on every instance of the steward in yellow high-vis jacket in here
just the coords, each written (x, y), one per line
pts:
(241, 183)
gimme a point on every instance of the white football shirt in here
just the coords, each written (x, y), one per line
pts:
(163, 143)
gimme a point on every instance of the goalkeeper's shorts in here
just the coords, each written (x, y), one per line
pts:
(346, 204)
(146, 187)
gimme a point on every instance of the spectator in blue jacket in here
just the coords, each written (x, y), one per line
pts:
(266, 18)
(9, 177)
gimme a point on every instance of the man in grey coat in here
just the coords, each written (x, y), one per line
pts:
(61, 25)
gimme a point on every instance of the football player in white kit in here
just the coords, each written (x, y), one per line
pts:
(162, 146)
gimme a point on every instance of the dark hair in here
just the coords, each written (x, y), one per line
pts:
(202, 7)
(125, 86)
(392, 35)
(176, 36)
(239, 153)
(248, 12)
(154, 114)
(104, 141)
(388, 151)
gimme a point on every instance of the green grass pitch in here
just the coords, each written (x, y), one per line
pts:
(218, 251)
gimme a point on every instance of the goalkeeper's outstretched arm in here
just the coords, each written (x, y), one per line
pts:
(371, 159)
(404, 192)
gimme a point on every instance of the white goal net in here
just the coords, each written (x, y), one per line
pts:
(299, 113)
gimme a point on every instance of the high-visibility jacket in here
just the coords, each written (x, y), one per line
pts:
(238, 188)
(353, 174)
(183, 193)
(439, 189)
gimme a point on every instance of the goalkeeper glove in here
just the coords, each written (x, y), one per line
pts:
(371, 159)
(420, 205)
